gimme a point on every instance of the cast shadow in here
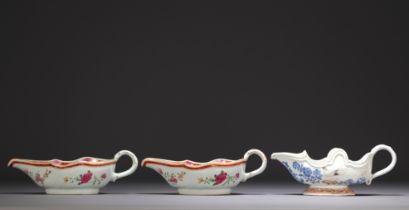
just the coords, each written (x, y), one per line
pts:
(175, 193)
(23, 193)
(358, 194)
(116, 193)
(377, 194)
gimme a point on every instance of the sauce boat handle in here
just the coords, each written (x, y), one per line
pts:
(128, 172)
(260, 169)
(388, 168)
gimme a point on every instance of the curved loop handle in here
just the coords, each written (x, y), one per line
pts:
(260, 169)
(388, 168)
(128, 172)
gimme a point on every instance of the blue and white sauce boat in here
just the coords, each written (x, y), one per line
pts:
(332, 175)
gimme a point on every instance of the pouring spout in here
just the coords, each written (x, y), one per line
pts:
(155, 162)
(23, 164)
(277, 155)
(10, 163)
(17, 163)
(27, 167)
(282, 156)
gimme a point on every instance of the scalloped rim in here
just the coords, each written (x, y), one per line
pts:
(329, 160)
(61, 164)
(188, 164)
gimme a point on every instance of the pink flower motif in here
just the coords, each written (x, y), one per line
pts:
(188, 162)
(39, 179)
(85, 178)
(220, 178)
(173, 180)
(237, 175)
(104, 176)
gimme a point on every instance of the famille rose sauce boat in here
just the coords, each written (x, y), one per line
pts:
(81, 176)
(332, 175)
(215, 177)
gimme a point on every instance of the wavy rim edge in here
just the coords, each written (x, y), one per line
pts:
(56, 163)
(188, 164)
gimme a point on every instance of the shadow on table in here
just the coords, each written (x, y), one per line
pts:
(22, 193)
(358, 194)
(43, 193)
(374, 194)
(175, 193)
(117, 193)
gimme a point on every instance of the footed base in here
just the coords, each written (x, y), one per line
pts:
(59, 191)
(329, 191)
(192, 191)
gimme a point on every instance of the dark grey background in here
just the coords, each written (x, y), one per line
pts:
(202, 80)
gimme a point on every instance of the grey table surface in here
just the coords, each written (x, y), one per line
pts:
(249, 195)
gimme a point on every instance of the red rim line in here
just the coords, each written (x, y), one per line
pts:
(61, 166)
(183, 165)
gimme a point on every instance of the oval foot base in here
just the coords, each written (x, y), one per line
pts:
(329, 191)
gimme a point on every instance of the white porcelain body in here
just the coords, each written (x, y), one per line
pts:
(82, 176)
(211, 178)
(335, 172)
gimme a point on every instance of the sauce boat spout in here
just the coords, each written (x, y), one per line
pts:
(154, 163)
(285, 156)
(19, 164)
(30, 168)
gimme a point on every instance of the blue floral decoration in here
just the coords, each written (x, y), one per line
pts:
(360, 180)
(302, 173)
(310, 175)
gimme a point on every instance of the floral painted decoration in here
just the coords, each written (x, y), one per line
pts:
(347, 182)
(305, 174)
(38, 178)
(85, 178)
(302, 173)
(172, 178)
(219, 179)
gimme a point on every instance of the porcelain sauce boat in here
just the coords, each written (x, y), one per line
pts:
(81, 176)
(332, 175)
(215, 177)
